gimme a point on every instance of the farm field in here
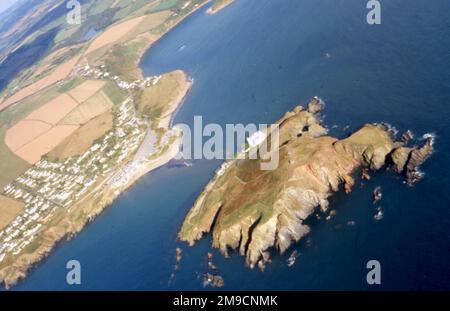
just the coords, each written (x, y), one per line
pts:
(54, 111)
(86, 90)
(60, 73)
(33, 151)
(9, 209)
(83, 138)
(91, 108)
(24, 132)
(114, 33)
(49, 125)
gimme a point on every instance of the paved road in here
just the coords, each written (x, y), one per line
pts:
(147, 147)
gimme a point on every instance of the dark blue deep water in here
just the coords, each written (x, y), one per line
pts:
(251, 63)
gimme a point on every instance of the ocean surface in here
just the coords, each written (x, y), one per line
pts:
(252, 62)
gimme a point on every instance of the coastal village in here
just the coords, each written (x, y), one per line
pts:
(86, 71)
(110, 125)
(50, 186)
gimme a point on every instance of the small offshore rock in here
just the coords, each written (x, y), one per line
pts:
(292, 258)
(213, 280)
(365, 174)
(379, 215)
(178, 254)
(261, 265)
(407, 136)
(377, 195)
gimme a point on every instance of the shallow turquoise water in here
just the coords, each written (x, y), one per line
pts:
(251, 63)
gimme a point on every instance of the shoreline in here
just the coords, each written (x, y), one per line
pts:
(180, 105)
(149, 45)
(214, 10)
(91, 206)
(165, 121)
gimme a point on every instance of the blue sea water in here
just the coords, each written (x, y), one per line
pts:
(252, 62)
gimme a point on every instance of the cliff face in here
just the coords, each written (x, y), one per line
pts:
(252, 210)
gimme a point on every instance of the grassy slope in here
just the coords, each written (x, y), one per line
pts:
(154, 100)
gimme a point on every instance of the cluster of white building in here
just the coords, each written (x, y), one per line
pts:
(130, 170)
(101, 73)
(223, 168)
(51, 186)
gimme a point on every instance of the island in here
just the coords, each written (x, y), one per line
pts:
(252, 210)
(82, 124)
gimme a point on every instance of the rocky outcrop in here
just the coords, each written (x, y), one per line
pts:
(400, 157)
(407, 160)
(417, 157)
(251, 210)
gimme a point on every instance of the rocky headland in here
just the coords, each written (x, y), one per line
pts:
(251, 210)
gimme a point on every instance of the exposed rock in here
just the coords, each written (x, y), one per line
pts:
(261, 265)
(379, 215)
(315, 105)
(292, 258)
(178, 254)
(316, 130)
(349, 182)
(218, 281)
(400, 157)
(417, 157)
(266, 257)
(369, 146)
(298, 109)
(407, 160)
(213, 280)
(406, 137)
(171, 278)
(211, 265)
(377, 195)
(252, 210)
(365, 174)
